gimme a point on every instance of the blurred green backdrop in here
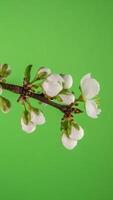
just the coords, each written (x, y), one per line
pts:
(69, 36)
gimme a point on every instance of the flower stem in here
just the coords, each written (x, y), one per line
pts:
(40, 97)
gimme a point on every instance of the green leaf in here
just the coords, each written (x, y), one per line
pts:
(27, 74)
(36, 110)
(66, 126)
(65, 91)
(76, 125)
(26, 116)
(58, 98)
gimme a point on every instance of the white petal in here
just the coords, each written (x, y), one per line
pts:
(90, 87)
(68, 81)
(76, 134)
(37, 118)
(92, 108)
(29, 128)
(56, 78)
(1, 90)
(85, 78)
(67, 98)
(51, 88)
(68, 143)
(44, 69)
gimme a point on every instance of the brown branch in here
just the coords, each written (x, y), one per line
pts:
(40, 97)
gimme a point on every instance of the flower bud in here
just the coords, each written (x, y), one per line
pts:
(52, 86)
(29, 127)
(67, 142)
(5, 70)
(67, 98)
(5, 104)
(44, 71)
(68, 81)
(51, 89)
(76, 134)
(56, 78)
(37, 117)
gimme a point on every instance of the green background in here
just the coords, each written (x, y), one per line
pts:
(68, 36)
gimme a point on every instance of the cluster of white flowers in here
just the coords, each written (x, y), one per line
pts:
(31, 119)
(56, 87)
(70, 141)
(90, 89)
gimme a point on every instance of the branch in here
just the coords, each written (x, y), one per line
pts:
(40, 97)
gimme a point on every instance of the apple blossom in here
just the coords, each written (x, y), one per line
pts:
(37, 117)
(45, 70)
(68, 81)
(67, 98)
(67, 142)
(90, 88)
(55, 78)
(71, 133)
(76, 134)
(53, 85)
(48, 88)
(31, 118)
(28, 128)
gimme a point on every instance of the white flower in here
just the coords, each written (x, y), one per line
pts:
(37, 118)
(92, 108)
(67, 142)
(53, 85)
(44, 70)
(1, 90)
(90, 88)
(70, 141)
(76, 134)
(55, 78)
(28, 128)
(68, 81)
(67, 98)
(32, 118)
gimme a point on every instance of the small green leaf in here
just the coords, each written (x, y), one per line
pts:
(64, 91)
(58, 98)
(27, 74)
(76, 125)
(36, 110)
(66, 126)
(26, 116)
